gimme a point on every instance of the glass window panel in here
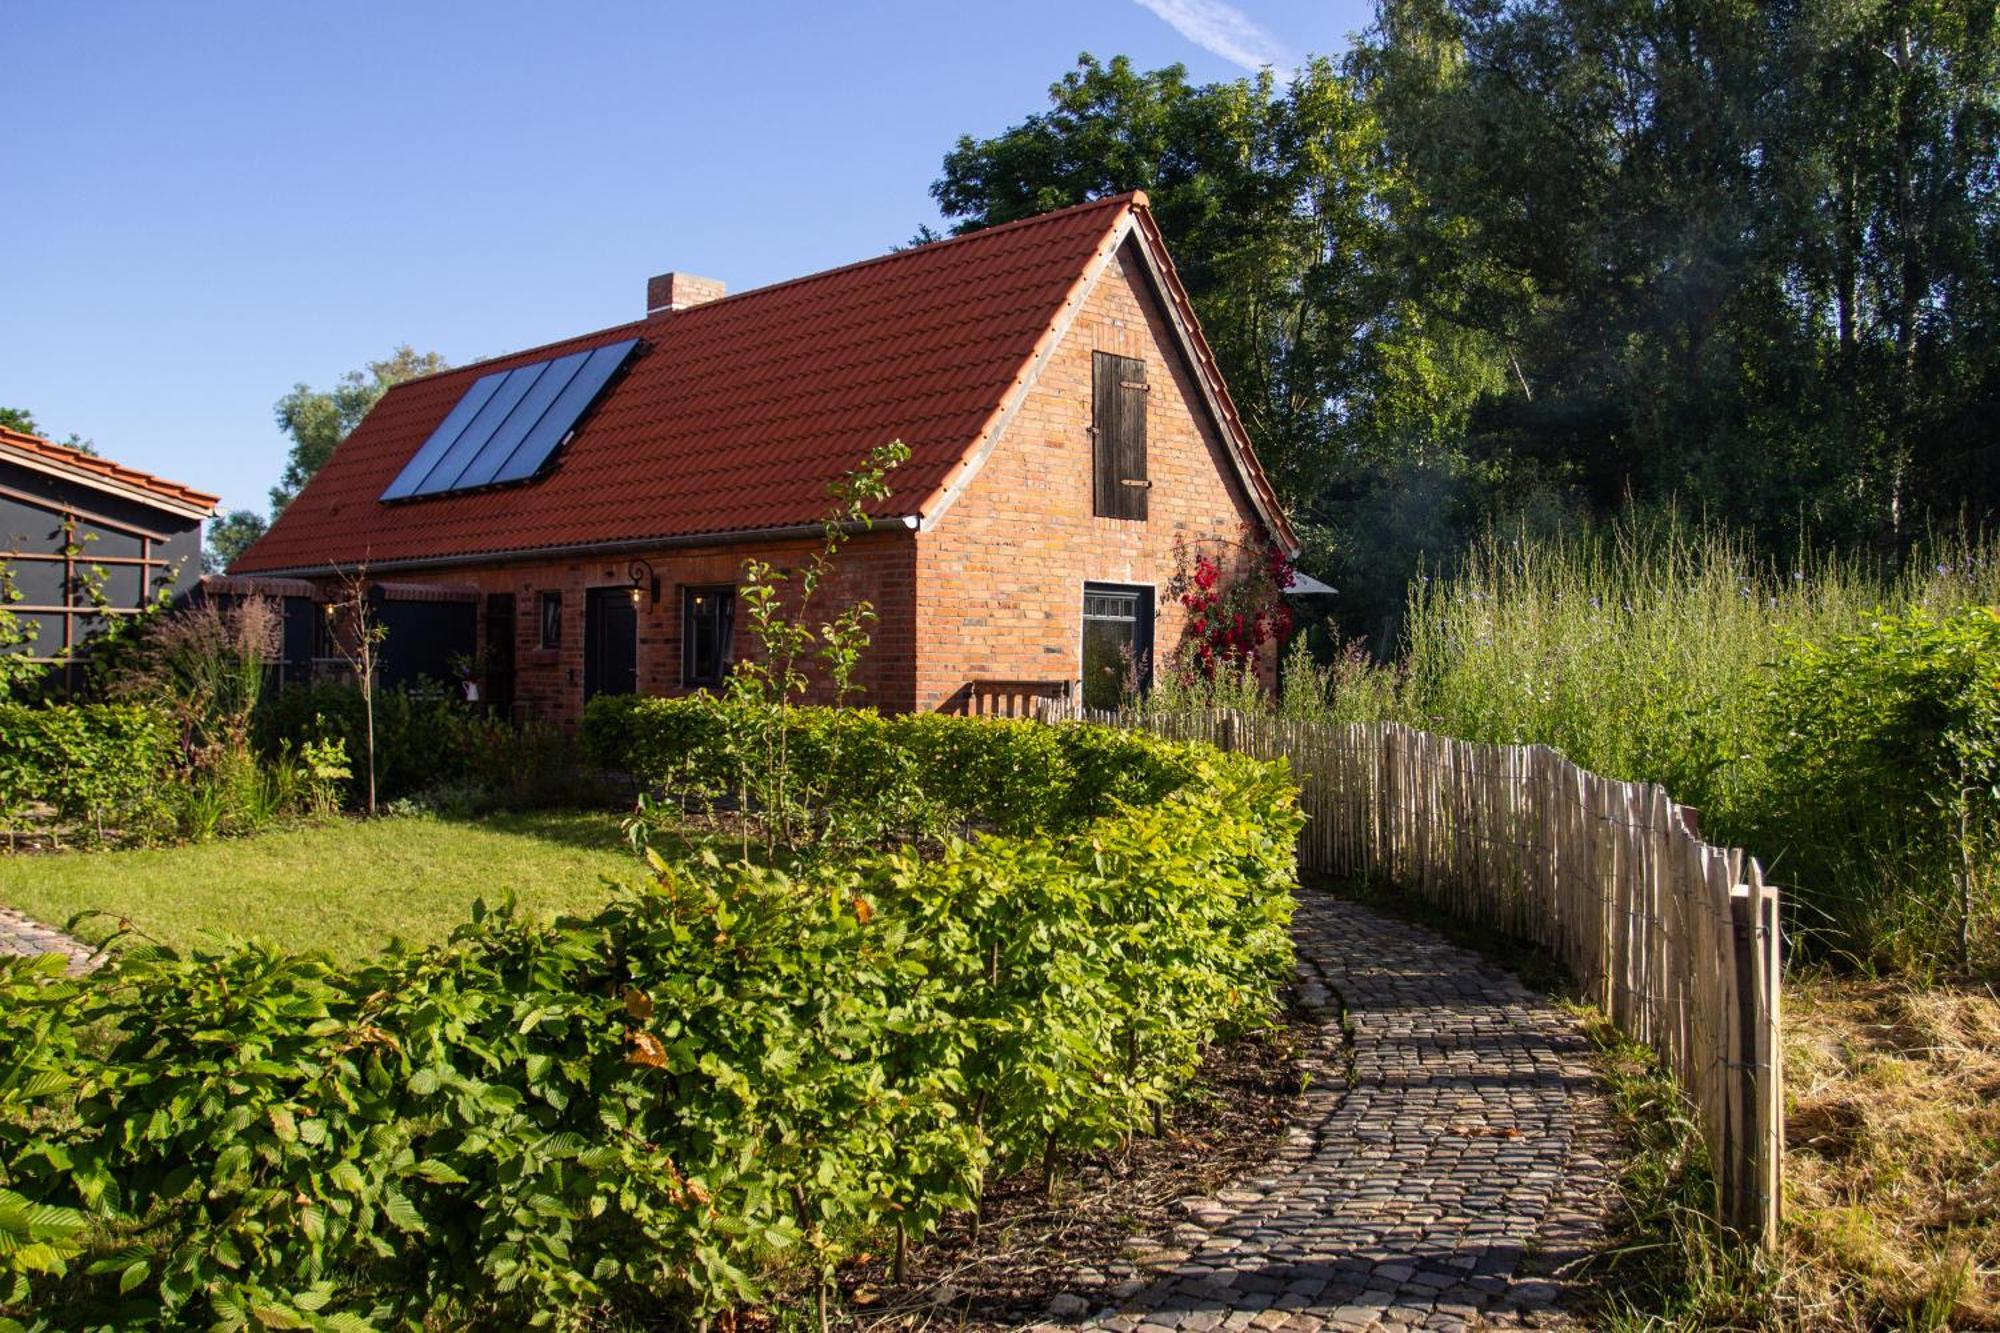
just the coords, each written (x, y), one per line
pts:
(708, 622)
(1107, 662)
(551, 608)
(1117, 644)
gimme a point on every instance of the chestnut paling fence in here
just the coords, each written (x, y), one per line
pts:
(1676, 940)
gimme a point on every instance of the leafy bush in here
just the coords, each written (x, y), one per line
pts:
(1886, 759)
(94, 763)
(725, 1063)
(427, 740)
(856, 776)
(18, 672)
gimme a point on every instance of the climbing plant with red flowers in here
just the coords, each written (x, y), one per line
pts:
(1234, 605)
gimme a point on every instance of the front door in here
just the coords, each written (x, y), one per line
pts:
(500, 653)
(610, 642)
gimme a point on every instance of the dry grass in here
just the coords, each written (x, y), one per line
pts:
(1893, 1154)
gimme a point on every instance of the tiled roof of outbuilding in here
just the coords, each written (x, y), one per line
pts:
(35, 450)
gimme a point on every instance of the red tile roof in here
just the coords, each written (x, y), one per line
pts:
(89, 468)
(734, 414)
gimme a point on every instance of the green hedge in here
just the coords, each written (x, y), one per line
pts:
(1880, 794)
(94, 763)
(723, 1066)
(426, 739)
(872, 776)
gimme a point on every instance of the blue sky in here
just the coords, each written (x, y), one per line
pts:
(210, 203)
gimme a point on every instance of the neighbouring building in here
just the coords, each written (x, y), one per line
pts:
(84, 541)
(576, 518)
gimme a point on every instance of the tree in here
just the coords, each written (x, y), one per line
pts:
(229, 536)
(1298, 238)
(1757, 245)
(318, 421)
(1542, 260)
(357, 636)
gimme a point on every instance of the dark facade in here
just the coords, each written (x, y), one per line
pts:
(84, 541)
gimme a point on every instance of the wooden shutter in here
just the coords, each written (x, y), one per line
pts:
(1118, 436)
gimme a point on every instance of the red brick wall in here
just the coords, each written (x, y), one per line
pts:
(548, 683)
(1000, 579)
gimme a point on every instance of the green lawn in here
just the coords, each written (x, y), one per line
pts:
(344, 887)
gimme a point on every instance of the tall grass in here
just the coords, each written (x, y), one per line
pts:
(1649, 651)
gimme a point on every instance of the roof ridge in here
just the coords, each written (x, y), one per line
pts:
(731, 428)
(1128, 198)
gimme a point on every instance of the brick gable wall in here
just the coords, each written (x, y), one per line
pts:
(999, 580)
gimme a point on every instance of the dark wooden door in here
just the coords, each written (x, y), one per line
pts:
(610, 642)
(500, 653)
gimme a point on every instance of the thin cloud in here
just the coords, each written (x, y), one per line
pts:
(1224, 30)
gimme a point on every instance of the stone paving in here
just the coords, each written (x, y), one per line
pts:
(24, 935)
(1449, 1161)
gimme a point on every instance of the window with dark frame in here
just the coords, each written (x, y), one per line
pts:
(1117, 643)
(1119, 482)
(550, 607)
(708, 628)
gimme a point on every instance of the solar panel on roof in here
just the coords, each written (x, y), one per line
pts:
(527, 414)
(426, 457)
(508, 424)
(547, 435)
(513, 386)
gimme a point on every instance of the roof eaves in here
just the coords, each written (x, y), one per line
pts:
(618, 546)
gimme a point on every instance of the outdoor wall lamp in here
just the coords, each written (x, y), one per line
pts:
(642, 573)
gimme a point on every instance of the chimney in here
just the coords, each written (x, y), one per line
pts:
(678, 291)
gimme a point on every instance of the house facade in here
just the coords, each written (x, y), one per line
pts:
(593, 502)
(85, 541)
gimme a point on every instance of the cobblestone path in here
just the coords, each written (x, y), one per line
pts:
(1449, 1159)
(24, 935)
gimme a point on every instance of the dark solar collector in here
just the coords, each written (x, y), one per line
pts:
(509, 424)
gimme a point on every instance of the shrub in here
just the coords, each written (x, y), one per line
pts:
(427, 740)
(854, 776)
(18, 672)
(723, 1063)
(205, 666)
(1884, 775)
(97, 764)
(1005, 773)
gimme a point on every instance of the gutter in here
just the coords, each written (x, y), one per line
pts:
(737, 536)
